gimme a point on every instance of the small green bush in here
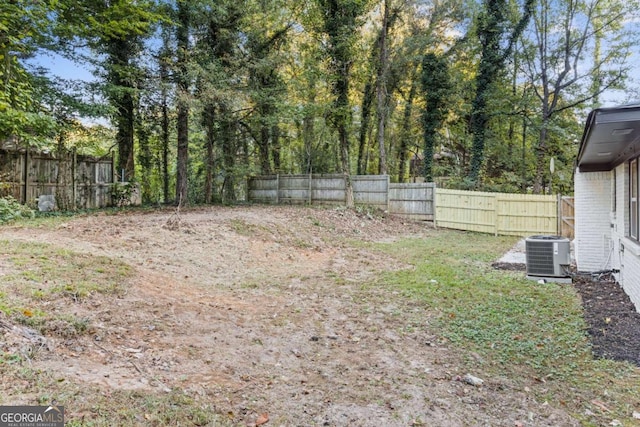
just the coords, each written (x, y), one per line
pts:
(121, 193)
(11, 209)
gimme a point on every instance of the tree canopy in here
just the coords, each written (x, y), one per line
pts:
(196, 96)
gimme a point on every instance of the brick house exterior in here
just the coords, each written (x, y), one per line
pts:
(607, 202)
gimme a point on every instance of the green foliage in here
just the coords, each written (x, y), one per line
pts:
(11, 210)
(276, 86)
(22, 25)
(122, 193)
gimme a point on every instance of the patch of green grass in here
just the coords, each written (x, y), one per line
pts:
(40, 273)
(88, 405)
(244, 228)
(45, 271)
(519, 327)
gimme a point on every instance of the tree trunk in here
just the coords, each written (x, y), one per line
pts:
(209, 124)
(145, 159)
(165, 148)
(405, 132)
(183, 106)
(343, 135)
(275, 142)
(479, 120)
(263, 146)
(367, 101)
(124, 136)
(541, 151)
(164, 120)
(228, 155)
(381, 90)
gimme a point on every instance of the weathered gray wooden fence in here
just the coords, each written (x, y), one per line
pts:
(415, 201)
(411, 200)
(75, 181)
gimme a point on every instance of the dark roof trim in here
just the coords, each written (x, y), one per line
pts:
(611, 136)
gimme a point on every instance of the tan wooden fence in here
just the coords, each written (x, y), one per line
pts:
(75, 181)
(497, 213)
(567, 216)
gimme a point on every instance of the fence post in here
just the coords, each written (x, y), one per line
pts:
(387, 192)
(434, 205)
(25, 174)
(496, 212)
(277, 189)
(74, 178)
(310, 187)
(559, 214)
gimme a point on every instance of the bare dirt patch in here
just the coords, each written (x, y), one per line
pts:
(265, 310)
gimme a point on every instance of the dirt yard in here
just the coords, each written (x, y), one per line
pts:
(261, 310)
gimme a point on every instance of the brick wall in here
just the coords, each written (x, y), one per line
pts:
(593, 198)
(626, 255)
(601, 240)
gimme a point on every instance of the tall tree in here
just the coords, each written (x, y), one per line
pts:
(381, 85)
(436, 88)
(114, 30)
(578, 49)
(266, 89)
(164, 60)
(341, 20)
(497, 39)
(406, 127)
(183, 87)
(219, 73)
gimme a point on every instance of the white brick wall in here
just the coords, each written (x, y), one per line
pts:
(601, 231)
(630, 275)
(592, 219)
(627, 251)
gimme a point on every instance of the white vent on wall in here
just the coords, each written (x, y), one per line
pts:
(548, 256)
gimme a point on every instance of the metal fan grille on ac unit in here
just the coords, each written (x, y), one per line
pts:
(540, 258)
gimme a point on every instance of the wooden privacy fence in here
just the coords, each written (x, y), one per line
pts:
(75, 181)
(497, 213)
(411, 200)
(566, 212)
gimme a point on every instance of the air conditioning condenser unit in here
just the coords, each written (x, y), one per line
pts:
(548, 257)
